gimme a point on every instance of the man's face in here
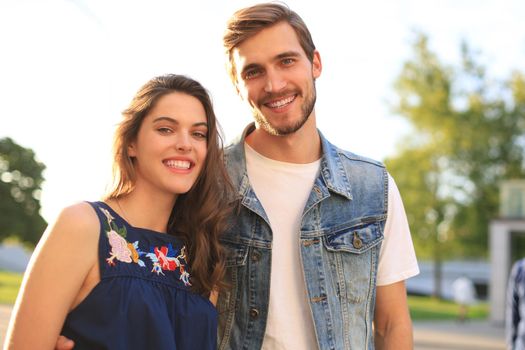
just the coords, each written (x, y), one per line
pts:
(276, 78)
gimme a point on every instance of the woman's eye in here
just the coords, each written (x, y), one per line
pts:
(200, 135)
(164, 130)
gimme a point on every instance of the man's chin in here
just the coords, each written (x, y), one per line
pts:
(283, 130)
(274, 129)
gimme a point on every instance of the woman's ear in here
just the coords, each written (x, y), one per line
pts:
(131, 150)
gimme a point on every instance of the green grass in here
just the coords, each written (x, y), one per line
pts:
(9, 285)
(428, 308)
(421, 308)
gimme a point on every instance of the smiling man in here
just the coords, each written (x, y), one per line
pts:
(320, 249)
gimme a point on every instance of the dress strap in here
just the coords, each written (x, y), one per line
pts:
(104, 248)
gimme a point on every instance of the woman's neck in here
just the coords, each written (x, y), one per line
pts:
(145, 209)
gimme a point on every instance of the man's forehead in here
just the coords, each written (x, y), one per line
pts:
(268, 44)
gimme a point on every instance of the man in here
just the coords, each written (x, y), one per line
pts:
(515, 310)
(315, 222)
(320, 246)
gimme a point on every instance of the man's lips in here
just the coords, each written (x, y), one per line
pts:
(281, 102)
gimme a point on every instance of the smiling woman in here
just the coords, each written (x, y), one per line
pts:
(150, 250)
(172, 137)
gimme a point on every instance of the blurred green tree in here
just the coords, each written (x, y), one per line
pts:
(20, 187)
(468, 135)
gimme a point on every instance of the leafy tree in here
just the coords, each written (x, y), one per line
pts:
(469, 134)
(20, 186)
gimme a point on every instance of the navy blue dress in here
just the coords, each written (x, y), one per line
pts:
(143, 300)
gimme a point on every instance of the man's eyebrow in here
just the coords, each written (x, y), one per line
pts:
(175, 121)
(287, 54)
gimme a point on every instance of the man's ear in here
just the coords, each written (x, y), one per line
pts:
(317, 66)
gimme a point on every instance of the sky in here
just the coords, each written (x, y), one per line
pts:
(68, 68)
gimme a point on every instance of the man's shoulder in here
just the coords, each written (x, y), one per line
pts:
(233, 145)
(348, 156)
(234, 159)
(331, 150)
(234, 151)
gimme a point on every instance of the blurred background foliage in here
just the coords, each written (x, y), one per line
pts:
(468, 134)
(20, 189)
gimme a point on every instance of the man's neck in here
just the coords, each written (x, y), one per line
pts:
(301, 147)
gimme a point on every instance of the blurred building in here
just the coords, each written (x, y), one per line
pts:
(506, 243)
(13, 257)
(477, 271)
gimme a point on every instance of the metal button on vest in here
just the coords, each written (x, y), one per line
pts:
(256, 256)
(358, 243)
(254, 313)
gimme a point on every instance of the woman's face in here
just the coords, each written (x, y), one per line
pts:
(171, 145)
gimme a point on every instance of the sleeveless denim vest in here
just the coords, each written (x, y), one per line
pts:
(341, 233)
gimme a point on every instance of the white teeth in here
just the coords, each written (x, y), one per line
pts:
(181, 164)
(280, 103)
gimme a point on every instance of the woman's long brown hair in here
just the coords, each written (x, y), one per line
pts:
(199, 216)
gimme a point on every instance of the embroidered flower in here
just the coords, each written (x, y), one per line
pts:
(134, 253)
(184, 276)
(157, 268)
(119, 248)
(167, 261)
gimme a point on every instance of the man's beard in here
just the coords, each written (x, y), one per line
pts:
(306, 110)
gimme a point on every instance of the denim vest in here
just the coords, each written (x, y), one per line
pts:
(341, 233)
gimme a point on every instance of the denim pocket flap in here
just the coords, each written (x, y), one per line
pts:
(356, 239)
(235, 254)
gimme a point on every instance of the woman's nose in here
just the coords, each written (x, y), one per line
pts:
(183, 143)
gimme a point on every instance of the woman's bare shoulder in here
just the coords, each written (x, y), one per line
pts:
(78, 219)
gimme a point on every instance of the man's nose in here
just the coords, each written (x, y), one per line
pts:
(275, 81)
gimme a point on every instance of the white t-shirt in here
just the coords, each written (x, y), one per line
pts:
(284, 188)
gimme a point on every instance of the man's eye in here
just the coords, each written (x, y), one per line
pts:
(287, 61)
(252, 74)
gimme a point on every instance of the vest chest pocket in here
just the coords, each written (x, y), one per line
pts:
(236, 254)
(352, 254)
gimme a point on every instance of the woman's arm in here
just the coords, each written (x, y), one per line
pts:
(58, 267)
(214, 296)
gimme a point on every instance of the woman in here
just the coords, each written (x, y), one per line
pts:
(136, 270)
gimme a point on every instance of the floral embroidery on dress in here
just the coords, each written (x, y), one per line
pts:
(164, 258)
